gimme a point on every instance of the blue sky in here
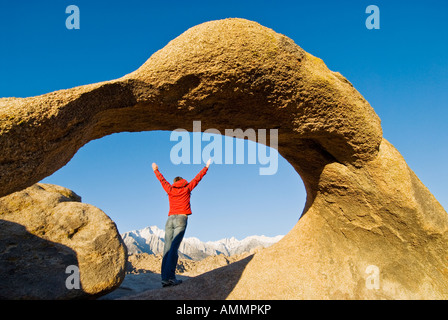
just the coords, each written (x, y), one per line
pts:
(401, 69)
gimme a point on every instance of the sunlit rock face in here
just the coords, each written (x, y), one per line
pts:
(52, 246)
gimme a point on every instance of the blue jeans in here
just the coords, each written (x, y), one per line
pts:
(174, 233)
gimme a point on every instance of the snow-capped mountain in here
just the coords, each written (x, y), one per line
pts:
(151, 240)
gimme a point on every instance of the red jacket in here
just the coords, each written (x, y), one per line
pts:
(179, 192)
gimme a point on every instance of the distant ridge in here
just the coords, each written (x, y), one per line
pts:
(151, 240)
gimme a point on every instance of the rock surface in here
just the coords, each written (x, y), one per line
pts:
(143, 272)
(44, 229)
(364, 205)
(144, 263)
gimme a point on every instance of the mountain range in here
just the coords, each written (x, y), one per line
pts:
(151, 240)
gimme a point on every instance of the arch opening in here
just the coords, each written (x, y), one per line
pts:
(114, 174)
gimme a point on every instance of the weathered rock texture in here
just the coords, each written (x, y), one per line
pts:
(364, 205)
(44, 229)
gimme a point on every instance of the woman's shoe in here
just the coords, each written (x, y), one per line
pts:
(171, 282)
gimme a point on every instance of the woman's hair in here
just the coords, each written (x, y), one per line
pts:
(177, 179)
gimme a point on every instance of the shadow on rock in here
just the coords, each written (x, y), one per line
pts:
(32, 267)
(213, 285)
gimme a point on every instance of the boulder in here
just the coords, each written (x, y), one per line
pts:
(44, 230)
(365, 210)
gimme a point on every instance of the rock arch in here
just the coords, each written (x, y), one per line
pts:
(364, 205)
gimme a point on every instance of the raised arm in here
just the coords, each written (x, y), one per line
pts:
(193, 183)
(165, 184)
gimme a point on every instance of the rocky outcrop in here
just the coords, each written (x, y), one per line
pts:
(364, 205)
(45, 229)
(229, 74)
